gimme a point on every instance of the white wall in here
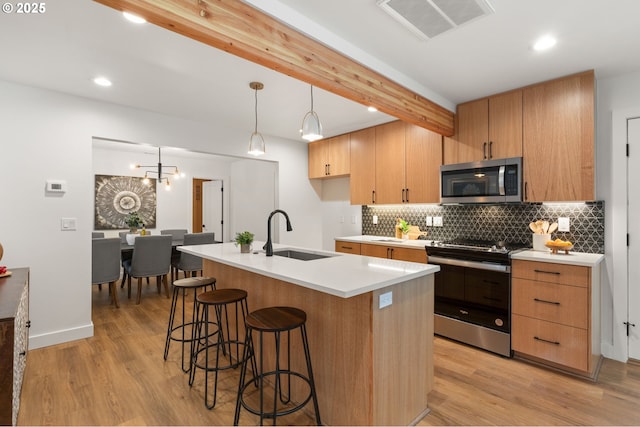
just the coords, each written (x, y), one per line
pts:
(617, 99)
(48, 135)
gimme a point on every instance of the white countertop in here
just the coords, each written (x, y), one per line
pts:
(387, 241)
(342, 275)
(572, 258)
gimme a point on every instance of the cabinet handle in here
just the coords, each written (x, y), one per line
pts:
(491, 149)
(373, 196)
(23, 353)
(484, 150)
(547, 272)
(547, 341)
(28, 323)
(407, 195)
(327, 169)
(546, 302)
(403, 190)
(390, 253)
(346, 247)
(526, 192)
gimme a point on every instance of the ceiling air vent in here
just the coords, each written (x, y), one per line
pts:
(429, 18)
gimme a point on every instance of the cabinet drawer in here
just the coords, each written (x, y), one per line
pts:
(567, 305)
(551, 272)
(407, 254)
(556, 343)
(348, 247)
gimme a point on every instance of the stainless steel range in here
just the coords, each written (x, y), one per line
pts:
(473, 292)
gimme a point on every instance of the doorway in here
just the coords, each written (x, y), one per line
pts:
(208, 207)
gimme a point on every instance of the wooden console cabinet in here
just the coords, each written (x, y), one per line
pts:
(555, 315)
(14, 341)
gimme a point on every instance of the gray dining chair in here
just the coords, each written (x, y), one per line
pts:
(190, 264)
(176, 233)
(105, 264)
(97, 235)
(151, 257)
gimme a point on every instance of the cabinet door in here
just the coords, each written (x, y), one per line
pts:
(409, 254)
(423, 150)
(378, 251)
(338, 155)
(558, 127)
(317, 159)
(472, 132)
(505, 125)
(362, 159)
(390, 157)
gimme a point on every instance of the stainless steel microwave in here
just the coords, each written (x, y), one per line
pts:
(489, 181)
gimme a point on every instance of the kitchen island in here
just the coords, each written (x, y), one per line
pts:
(372, 365)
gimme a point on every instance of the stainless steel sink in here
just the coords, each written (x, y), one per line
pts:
(301, 255)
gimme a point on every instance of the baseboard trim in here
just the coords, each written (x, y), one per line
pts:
(60, 337)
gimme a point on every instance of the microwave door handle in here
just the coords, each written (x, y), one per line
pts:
(501, 180)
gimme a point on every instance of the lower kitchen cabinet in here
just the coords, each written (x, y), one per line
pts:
(555, 315)
(394, 252)
(382, 251)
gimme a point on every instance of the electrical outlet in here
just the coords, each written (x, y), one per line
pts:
(564, 224)
(386, 299)
(375, 219)
(354, 219)
(429, 221)
(437, 221)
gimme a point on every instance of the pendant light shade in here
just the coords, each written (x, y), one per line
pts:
(256, 142)
(311, 126)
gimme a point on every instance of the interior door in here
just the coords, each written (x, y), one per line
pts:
(212, 208)
(633, 228)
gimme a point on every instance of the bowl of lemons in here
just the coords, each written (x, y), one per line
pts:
(559, 245)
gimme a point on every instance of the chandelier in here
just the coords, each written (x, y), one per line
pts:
(160, 172)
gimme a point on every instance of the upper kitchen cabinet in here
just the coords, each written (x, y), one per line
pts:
(363, 161)
(558, 139)
(329, 157)
(489, 128)
(423, 157)
(395, 163)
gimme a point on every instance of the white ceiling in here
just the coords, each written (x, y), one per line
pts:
(157, 70)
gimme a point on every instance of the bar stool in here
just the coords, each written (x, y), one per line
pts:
(180, 287)
(275, 320)
(227, 340)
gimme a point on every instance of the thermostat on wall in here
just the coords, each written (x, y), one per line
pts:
(56, 186)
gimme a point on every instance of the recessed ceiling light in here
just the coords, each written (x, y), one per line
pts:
(134, 18)
(102, 81)
(544, 43)
(372, 109)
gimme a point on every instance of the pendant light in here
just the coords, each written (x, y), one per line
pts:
(256, 143)
(311, 126)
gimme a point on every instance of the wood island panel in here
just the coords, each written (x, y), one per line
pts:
(371, 366)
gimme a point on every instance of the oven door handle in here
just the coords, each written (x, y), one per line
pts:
(471, 264)
(501, 180)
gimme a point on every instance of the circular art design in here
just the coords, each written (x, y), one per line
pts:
(116, 196)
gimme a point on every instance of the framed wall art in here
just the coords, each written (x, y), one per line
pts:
(117, 196)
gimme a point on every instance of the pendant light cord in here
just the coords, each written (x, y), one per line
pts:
(256, 110)
(311, 98)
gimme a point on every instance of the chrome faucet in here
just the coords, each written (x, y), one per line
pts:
(269, 246)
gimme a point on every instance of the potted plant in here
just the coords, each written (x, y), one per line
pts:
(244, 239)
(404, 228)
(134, 221)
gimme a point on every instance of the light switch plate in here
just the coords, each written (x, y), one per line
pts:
(375, 219)
(437, 221)
(564, 224)
(68, 224)
(429, 221)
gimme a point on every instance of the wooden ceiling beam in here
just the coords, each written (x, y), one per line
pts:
(244, 31)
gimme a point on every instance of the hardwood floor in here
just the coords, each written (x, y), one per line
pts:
(118, 377)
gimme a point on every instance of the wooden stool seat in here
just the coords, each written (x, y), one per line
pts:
(222, 296)
(194, 282)
(274, 319)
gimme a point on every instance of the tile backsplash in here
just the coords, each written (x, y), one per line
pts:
(507, 222)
